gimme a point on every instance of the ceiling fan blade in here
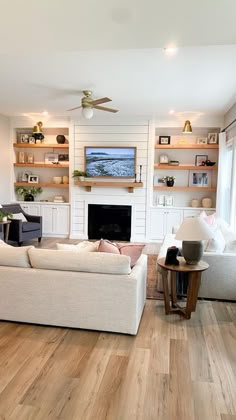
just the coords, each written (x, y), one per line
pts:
(101, 101)
(72, 109)
(104, 108)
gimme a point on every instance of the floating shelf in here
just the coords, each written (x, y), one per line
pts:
(40, 184)
(185, 167)
(41, 146)
(186, 146)
(213, 189)
(43, 165)
(89, 184)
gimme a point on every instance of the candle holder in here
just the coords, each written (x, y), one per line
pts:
(135, 177)
(140, 173)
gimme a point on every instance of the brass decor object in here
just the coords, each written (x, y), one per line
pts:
(187, 127)
(88, 102)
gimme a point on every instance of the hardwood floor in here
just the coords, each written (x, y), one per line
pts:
(173, 369)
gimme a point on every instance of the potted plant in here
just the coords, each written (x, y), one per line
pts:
(4, 215)
(28, 193)
(79, 174)
(170, 180)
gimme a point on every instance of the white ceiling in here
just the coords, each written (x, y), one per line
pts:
(53, 49)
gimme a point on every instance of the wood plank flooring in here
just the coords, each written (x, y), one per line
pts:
(174, 369)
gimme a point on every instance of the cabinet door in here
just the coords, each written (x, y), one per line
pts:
(157, 221)
(61, 220)
(47, 213)
(32, 209)
(172, 218)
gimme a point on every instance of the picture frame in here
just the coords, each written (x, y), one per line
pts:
(199, 178)
(51, 158)
(164, 140)
(24, 138)
(31, 140)
(201, 140)
(169, 200)
(199, 159)
(25, 176)
(33, 179)
(212, 138)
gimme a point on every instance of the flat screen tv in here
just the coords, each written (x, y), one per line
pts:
(117, 162)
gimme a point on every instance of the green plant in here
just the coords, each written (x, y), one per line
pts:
(78, 173)
(168, 178)
(4, 214)
(23, 191)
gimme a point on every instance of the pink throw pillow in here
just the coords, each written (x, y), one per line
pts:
(107, 246)
(133, 251)
(210, 219)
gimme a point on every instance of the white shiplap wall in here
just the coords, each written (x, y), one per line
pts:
(136, 135)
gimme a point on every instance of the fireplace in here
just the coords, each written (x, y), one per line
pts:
(109, 222)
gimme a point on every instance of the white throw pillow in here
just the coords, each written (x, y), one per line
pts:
(216, 243)
(15, 257)
(84, 246)
(19, 216)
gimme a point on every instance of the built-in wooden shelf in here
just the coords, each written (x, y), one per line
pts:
(186, 146)
(43, 165)
(40, 184)
(41, 146)
(89, 184)
(213, 189)
(185, 167)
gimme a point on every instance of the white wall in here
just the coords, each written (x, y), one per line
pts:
(94, 134)
(228, 118)
(5, 160)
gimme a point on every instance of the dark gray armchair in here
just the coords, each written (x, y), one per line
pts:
(23, 231)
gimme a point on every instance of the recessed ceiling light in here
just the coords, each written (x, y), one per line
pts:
(45, 113)
(172, 111)
(171, 50)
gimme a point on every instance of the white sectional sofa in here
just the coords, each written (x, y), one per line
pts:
(92, 290)
(218, 281)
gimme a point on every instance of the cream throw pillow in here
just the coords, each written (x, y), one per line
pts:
(216, 243)
(84, 246)
(15, 257)
(18, 216)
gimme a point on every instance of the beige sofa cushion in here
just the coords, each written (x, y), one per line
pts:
(15, 257)
(84, 246)
(93, 262)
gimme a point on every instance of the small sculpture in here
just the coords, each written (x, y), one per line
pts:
(171, 256)
(37, 132)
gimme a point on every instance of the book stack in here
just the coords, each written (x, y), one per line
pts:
(59, 199)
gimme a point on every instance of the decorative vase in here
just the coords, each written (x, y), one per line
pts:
(170, 183)
(60, 138)
(207, 202)
(28, 197)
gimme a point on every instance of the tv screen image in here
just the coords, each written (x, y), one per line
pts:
(110, 161)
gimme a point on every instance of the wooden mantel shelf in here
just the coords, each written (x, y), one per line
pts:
(165, 187)
(89, 184)
(41, 145)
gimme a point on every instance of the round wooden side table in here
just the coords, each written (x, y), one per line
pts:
(194, 278)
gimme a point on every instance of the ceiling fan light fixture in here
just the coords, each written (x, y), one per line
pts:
(187, 127)
(87, 113)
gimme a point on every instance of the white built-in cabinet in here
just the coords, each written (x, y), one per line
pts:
(56, 217)
(162, 220)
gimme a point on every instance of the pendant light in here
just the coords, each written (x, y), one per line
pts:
(187, 127)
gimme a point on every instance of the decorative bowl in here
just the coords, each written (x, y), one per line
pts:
(210, 163)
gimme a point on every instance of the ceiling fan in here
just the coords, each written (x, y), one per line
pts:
(88, 104)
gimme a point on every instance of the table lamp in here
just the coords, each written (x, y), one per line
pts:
(192, 232)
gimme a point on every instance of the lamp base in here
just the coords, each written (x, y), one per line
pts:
(192, 251)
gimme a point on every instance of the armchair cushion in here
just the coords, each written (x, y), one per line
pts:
(29, 226)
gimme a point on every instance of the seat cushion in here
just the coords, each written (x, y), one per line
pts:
(29, 226)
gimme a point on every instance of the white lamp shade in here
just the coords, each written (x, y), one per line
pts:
(193, 229)
(87, 113)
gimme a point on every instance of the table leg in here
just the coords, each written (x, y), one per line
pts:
(173, 289)
(166, 291)
(6, 234)
(194, 279)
